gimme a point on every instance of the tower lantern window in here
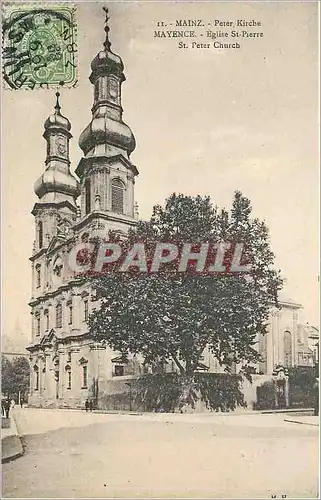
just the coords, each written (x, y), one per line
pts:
(87, 196)
(86, 310)
(40, 234)
(70, 314)
(117, 196)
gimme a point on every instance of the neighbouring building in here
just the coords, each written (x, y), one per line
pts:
(13, 343)
(308, 345)
(67, 366)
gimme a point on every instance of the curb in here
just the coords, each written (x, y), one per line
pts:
(11, 445)
(302, 423)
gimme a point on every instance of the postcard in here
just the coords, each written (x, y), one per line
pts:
(160, 246)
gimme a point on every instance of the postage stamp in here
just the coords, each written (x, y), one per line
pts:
(39, 46)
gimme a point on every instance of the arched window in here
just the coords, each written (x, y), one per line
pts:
(58, 315)
(46, 315)
(287, 339)
(85, 298)
(38, 275)
(40, 234)
(36, 371)
(84, 375)
(87, 196)
(117, 196)
(70, 309)
(38, 324)
(68, 374)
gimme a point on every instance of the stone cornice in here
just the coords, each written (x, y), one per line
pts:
(108, 216)
(39, 207)
(89, 161)
(41, 346)
(74, 282)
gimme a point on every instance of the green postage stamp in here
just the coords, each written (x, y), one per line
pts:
(39, 45)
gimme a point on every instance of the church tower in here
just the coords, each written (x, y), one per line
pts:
(57, 189)
(106, 174)
(67, 365)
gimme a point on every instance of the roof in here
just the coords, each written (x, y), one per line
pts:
(284, 299)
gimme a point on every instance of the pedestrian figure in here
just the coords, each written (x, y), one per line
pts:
(316, 396)
(91, 405)
(21, 402)
(7, 407)
(87, 405)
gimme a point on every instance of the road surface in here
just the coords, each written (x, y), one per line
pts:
(78, 454)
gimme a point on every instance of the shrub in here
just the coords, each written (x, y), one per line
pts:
(171, 391)
(265, 395)
(301, 386)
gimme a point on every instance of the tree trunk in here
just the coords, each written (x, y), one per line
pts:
(178, 364)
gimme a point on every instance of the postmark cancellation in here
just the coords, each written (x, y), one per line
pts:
(39, 45)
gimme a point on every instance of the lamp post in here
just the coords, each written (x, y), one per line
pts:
(130, 395)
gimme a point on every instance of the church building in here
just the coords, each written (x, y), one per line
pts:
(67, 366)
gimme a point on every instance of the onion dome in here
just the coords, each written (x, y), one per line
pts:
(104, 130)
(106, 61)
(107, 126)
(57, 180)
(57, 120)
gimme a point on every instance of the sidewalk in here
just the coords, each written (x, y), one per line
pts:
(10, 441)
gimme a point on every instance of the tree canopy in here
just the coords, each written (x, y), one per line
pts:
(175, 316)
(15, 376)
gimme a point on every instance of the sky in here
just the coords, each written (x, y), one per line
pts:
(206, 122)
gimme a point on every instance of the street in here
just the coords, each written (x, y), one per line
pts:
(78, 454)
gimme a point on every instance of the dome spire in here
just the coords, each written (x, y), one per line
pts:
(57, 106)
(57, 119)
(107, 43)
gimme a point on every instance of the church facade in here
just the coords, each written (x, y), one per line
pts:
(67, 366)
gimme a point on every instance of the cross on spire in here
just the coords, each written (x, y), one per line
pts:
(107, 43)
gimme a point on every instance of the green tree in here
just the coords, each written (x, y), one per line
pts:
(6, 376)
(15, 377)
(170, 316)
